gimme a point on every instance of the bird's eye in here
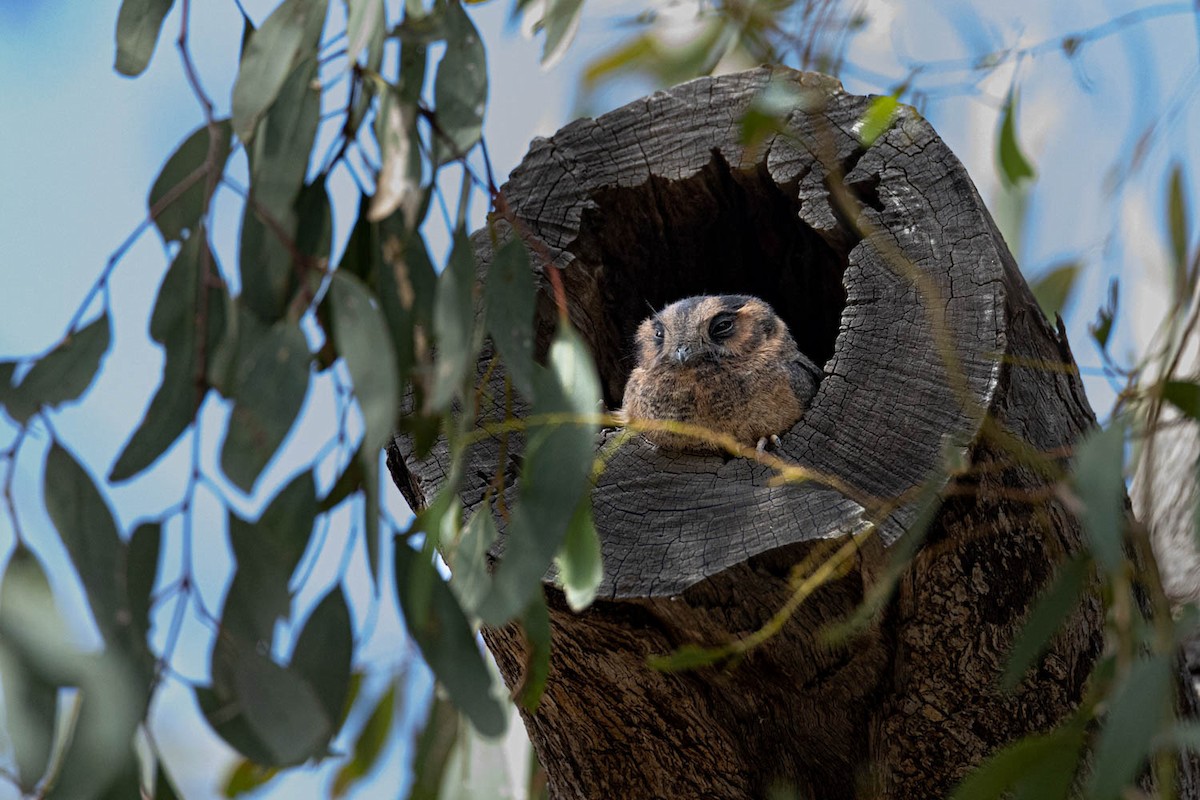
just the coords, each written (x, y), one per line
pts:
(721, 326)
(658, 331)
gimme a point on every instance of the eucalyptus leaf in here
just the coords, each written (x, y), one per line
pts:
(364, 19)
(63, 374)
(1177, 228)
(454, 324)
(398, 186)
(281, 709)
(225, 717)
(469, 568)
(184, 181)
(1041, 766)
(362, 340)
(1140, 709)
(1054, 287)
(268, 392)
(248, 777)
(877, 119)
(460, 88)
(433, 749)
(509, 296)
(323, 654)
(138, 25)
(448, 645)
(288, 36)
(535, 624)
(560, 24)
(1098, 479)
(1184, 395)
(368, 745)
(1014, 166)
(1047, 617)
(580, 566)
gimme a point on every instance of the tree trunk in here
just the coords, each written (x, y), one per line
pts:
(890, 272)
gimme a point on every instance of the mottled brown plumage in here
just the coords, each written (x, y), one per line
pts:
(725, 362)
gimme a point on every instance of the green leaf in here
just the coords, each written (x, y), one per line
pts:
(434, 748)
(1177, 225)
(448, 645)
(268, 392)
(555, 474)
(688, 657)
(364, 20)
(1041, 767)
(138, 26)
(560, 23)
(1054, 287)
(369, 745)
(362, 340)
(323, 655)
(1101, 329)
(30, 700)
(535, 624)
(398, 186)
(281, 709)
(288, 36)
(1046, 618)
(139, 576)
(225, 717)
(460, 88)
(580, 566)
(469, 568)
(454, 324)
(1014, 167)
(1141, 707)
(349, 482)
(877, 119)
(509, 295)
(180, 194)
(173, 324)
(1098, 468)
(85, 524)
(246, 777)
(63, 374)
(1184, 395)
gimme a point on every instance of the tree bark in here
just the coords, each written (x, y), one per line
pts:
(890, 272)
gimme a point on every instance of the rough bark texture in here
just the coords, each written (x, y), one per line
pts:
(890, 273)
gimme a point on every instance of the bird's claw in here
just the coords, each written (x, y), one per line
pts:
(771, 441)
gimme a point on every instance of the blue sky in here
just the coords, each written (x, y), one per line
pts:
(83, 146)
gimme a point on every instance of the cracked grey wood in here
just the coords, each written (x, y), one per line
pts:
(659, 200)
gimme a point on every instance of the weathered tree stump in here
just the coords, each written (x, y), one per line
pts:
(891, 273)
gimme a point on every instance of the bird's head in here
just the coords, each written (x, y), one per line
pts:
(709, 329)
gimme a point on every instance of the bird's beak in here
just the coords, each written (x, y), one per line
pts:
(683, 353)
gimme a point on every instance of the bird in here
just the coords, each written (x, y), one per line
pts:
(723, 362)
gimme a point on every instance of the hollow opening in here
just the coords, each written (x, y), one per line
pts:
(722, 231)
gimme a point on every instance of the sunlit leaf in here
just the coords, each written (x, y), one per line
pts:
(1140, 709)
(1054, 287)
(1041, 767)
(369, 745)
(268, 391)
(460, 88)
(181, 192)
(363, 342)
(323, 654)
(1014, 167)
(288, 36)
(246, 777)
(625, 58)
(876, 120)
(454, 323)
(1047, 617)
(434, 746)
(30, 700)
(1099, 482)
(509, 294)
(63, 374)
(555, 474)
(560, 24)
(580, 566)
(448, 645)
(138, 26)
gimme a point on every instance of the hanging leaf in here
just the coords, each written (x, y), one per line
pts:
(1046, 618)
(555, 474)
(281, 709)
(469, 569)
(1177, 227)
(1101, 329)
(1098, 479)
(63, 374)
(434, 747)
(398, 186)
(226, 718)
(535, 625)
(1054, 287)
(560, 23)
(1039, 767)
(268, 391)
(448, 645)
(877, 119)
(185, 178)
(362, 340)
(288, 36)
(1141, 707)
(1014, 167)
(509, 296)
(364, 19)
(30, 700)
(460, 88)
(1184, 395)
(454, 324)
(323, 655)
(246, 777)
(138, 27)
(580, 566)
(369, 745)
